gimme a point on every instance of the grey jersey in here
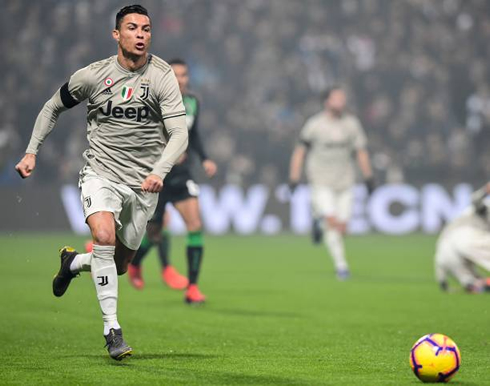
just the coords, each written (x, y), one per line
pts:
(131, 118)
(330, 142)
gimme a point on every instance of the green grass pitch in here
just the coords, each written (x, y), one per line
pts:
(275, 316)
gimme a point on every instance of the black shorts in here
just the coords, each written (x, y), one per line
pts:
(176, 187)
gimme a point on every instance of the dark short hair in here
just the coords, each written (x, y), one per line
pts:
(135, 8)
(326, 94)
(177, 61)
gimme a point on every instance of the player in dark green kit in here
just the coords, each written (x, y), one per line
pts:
(181, 191)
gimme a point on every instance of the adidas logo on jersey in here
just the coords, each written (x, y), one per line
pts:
(107, 91)
(129, 112)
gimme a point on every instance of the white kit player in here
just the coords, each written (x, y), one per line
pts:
(329, 141)
(136, 132)
(464, 245)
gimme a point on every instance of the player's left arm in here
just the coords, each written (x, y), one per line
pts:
(176, 146)
(365, 164)
(195, 143)
(362, 155)
(173, 115)
(67, 96)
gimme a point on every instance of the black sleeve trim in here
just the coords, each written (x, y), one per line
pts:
(305, 143)
(66, 98)
(174, 116)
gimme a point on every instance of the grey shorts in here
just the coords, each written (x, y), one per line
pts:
(131, 209)
(327, 202)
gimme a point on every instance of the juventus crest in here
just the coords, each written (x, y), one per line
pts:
(145, 90)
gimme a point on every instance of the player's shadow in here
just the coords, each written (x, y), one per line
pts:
(376, 278)
(254, 313)
(227, 378)
(144, 356)
(177, 356)
(453, 382)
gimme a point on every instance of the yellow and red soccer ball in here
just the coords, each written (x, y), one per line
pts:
(435, 358)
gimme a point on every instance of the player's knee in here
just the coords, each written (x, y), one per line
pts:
(194, 225)
(342, 228)
(104, 237)
(331, 222)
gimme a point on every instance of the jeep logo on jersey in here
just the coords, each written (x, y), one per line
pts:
(127, 93)
(129, 112)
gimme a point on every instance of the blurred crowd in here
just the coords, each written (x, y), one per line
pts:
(416, 72)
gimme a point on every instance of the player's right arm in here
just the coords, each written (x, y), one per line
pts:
(296, 164)
(67, 96)
(173, 115)
(362, 155)
(299, 154)
(195, 142)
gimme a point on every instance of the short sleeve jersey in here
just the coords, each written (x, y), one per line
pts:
(331, 142)
(126, 112)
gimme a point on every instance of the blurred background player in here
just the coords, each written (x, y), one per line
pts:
(328, 140)
(464, 245)
(182, 192)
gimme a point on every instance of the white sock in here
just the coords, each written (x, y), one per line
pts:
(104, 274)
(81, 263)
(335, 244)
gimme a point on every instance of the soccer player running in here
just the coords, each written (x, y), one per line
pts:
(182, 192)
(136, 132)
(464, 245)
(328, 141)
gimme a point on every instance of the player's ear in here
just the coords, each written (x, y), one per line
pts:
(115, 34)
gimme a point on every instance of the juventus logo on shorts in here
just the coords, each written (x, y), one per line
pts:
(88, 202)
(104, 280)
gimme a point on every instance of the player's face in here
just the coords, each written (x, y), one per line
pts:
(182, 74)
(134, 34)
(336, 102)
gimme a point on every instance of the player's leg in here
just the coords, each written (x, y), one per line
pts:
(317, 227)
(123, 256)
(324, 202)
(452, 248)
(103, 266)
(72, 263)
(477, 246)
(164, 244)
(343, 205)
(132, 215)
(104, 273)
(189, 210)
(151, 238)
(334, 241)
(96, 197)
(102, 205)
(170, 276)
(444, 253)
(465, 275)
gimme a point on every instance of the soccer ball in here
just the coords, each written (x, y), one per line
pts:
(435, 358)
